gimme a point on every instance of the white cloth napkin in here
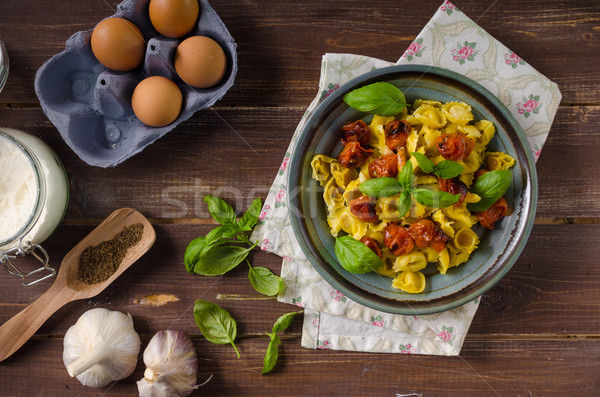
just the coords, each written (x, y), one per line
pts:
(332, 321)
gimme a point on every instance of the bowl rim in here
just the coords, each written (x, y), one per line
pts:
(372, 300)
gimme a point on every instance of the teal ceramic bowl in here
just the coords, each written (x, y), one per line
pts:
(498, 249)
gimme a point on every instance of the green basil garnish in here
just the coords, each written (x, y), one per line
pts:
(424, 162)
(380, 187)
(404, 203)
(380, 98)
(355, 256)
(406, 176)
(447, 169)
(490, 187)
(434, 198)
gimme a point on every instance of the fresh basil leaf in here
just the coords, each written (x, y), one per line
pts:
(424, 162)
(355, 256)
(264, 281)
(447, 169)
(380, 187)
(250, 217)
(220, 232)
(220, 210)
(284, 321)
(406, 176)
(435, 199)
(380, 98)
(215, 323)
(195, 249)
(404, 203)
(272, 354)
(220, 259)
(490, 187)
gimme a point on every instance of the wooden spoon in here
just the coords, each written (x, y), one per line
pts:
(67, 287)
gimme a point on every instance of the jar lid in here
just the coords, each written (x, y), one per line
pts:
(21, 190)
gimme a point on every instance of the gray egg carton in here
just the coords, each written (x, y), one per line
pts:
(90, 105)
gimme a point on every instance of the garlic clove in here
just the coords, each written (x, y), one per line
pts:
(171, 364)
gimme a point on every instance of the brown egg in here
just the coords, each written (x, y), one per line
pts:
(200, 61)
(157, 101)
(174, 18)
(118, 44)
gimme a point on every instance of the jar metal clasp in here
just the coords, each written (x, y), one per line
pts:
(8, 257)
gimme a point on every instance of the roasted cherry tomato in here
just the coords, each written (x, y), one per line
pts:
(489, 217)
(354, 155)
(397, 239)
(356, 132)
(384, 166)
(396, 134)
(454, 186)
(425, 233)
(454, 146)
(373, 245)
(363, 208)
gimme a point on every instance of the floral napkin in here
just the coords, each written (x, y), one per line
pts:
(453, 41)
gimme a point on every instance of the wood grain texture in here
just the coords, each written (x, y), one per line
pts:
(493, 367)
(281, 43)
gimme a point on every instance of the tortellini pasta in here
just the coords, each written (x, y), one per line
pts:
(428, 121)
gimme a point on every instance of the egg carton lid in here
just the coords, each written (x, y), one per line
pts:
(90, 105)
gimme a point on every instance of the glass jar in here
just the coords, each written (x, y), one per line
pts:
(3, 65)
(34, 193)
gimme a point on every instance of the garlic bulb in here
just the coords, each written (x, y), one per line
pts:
(101, 347)
(171, 364)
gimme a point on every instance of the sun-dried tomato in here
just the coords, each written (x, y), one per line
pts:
(454, 186)
(373, 245)
(384, 166)
(396, 134)
(353, 155)
(489, 217)
(454, 146)
(397, 239)
(364, 209)
(356, 132)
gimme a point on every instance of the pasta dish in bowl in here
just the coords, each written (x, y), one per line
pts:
(412, 209)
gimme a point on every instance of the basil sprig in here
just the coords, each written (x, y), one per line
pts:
(490, 187)
(445, 169)
(272, 354)
(379, 98)
(219, 251)
(355, 256)
(385, 187)
(215, 323)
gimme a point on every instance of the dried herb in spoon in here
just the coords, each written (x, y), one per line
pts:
(98, 263)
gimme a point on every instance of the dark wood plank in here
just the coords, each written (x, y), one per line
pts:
(173, 174)
(555, 278)
(281, 44)
(485, 368)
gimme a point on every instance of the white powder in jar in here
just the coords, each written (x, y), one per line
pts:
(18, 189)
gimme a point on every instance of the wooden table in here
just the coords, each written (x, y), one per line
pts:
(537, 332)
